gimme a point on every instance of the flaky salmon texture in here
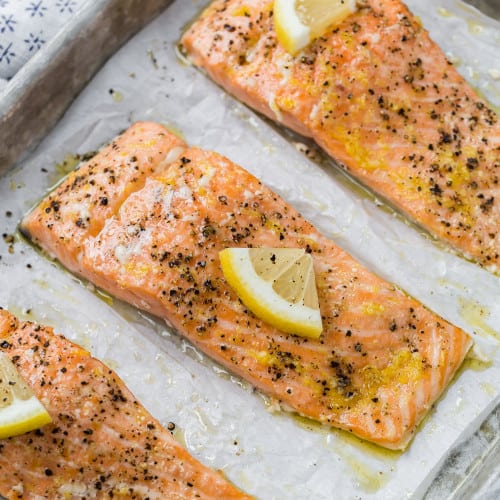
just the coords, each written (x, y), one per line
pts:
(382, 359)
(101, 443)
(380, 97)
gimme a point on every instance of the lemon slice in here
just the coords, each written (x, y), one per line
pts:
(299, 22)
(277, 285)
(20, 409)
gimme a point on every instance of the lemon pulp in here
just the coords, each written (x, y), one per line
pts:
(20, 409)
(298, 22)
(278, 285)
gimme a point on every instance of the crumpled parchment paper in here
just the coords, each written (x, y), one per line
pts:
(219, 418)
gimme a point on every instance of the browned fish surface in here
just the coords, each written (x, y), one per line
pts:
(102, 443)
(382, 358)
(382, 99)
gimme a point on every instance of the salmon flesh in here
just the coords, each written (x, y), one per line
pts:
(381, 98)
(102, 443)
(382, 359)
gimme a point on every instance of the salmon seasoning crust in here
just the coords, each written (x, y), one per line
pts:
(380, 97)
(382, 359)
(102, 443)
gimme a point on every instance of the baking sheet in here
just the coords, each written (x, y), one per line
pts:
(34, 99)
(219, 418)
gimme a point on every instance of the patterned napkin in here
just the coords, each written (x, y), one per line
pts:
(26, 26)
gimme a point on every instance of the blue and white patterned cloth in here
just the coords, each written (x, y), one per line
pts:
(26, 26)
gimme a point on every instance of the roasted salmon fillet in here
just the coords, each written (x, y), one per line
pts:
(380, 97)
(382, 359)
(102, 443)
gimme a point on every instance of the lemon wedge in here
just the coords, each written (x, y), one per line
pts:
(299, 22)
(278, 285)
(20, 409)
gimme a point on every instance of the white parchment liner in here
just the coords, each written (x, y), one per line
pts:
(219, 418)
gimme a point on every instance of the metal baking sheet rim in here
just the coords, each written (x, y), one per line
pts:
(37, 96)
(45, 70)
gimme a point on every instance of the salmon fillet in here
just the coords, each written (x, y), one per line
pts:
(101, 443)
(120, 168)
(382, 359)
(380, 97)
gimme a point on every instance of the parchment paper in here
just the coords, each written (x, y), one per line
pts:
(219, 418)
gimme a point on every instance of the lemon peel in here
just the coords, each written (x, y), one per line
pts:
(278, 285)
(20, 409)
(299, 22)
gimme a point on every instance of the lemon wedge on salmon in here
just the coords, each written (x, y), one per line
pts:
(278, 285)
(299, 22)
(20, 409)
